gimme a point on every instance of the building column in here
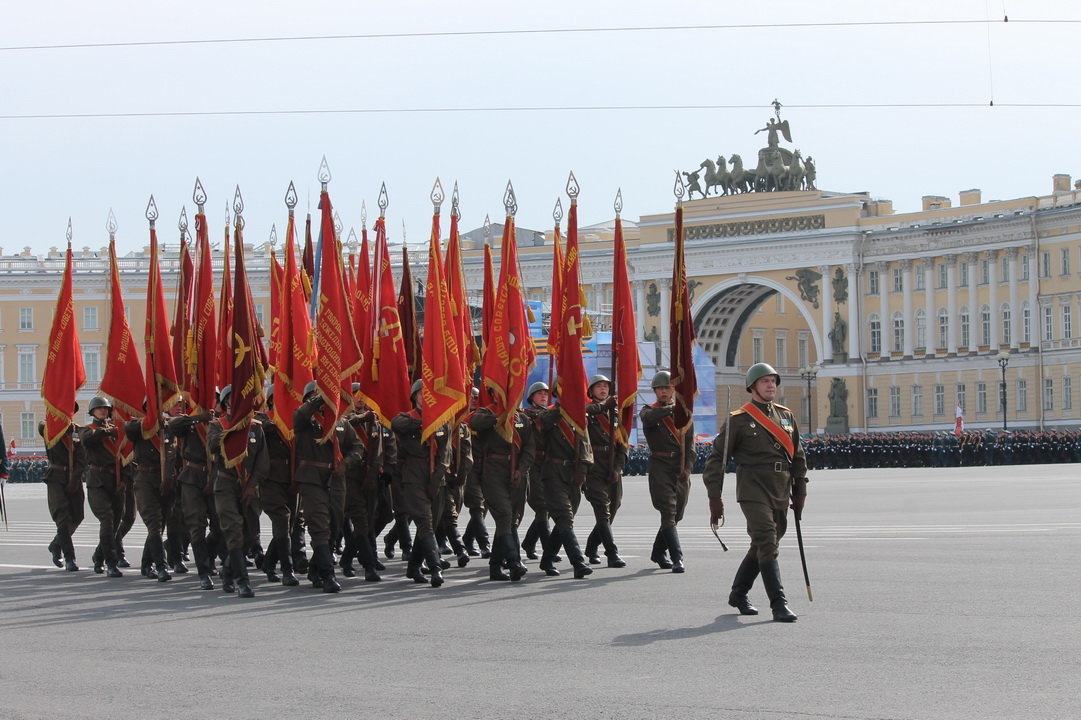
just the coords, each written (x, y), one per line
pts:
(992, 299)
(827, 313)
(855, 327)
(664, 285)
(1033, 298)
(954, 331)
(973, 260)
(640, 308)
(886, 324)
(1015, 308)
(906, 288)
(930, 330)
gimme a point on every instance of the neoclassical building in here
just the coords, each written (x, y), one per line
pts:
(893, 319)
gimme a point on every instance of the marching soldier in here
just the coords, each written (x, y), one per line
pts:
(64, 482)
(504, 474)
(473, 497)
(277, 498)
(537, 398)
(321, 469)
(423, 467)
(196, 499)
(761, 436)
(461, 467)
(150, 498)
(671, 458)
(360, 488)
(104, 486)
(604, 483)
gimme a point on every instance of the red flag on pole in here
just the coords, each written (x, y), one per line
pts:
(570, 385)
(297, 358)
(122, 362)
(182, 310)
(463, 318)
(626, 365)
(363, 325)
(407, 311)
(309, 255)
(384, 377)
(248, 366)
(555, 320)
(487, 297)
(64, 373)
(224, 367)
(162, 389)
(203, 353)
(443, 386)
(681, 335)
(277, 277)
(510, 354)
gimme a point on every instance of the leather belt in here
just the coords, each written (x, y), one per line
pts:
(99, 468)
(313, 463)
(58, 467)
(557, 461)
(600, 448)
(194, 465)
(778, 466)
(660, 453)
(496, 456)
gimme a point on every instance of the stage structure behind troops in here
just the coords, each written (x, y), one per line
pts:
(877, 321)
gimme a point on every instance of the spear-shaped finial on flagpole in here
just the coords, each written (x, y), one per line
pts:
(273, 235)
(383, 200)
(510, 203)
(324, 173)
(337, 224)
(152, 211)
(110, 225)
(352, 241)
(363, 216)
(557, 211)
(618, 204)
(572, 188)
(182, 224)
(454, 200)
(238, 208)
(68, 234)
(487, 230)
(291, 198)
(198, 195)
(679, 190)
(437, 195)
(227, 216)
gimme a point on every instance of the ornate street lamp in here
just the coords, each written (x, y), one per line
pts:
(809, 373)
(1003, 360)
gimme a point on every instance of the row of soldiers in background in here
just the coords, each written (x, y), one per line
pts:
(345, 482)
(917, 449)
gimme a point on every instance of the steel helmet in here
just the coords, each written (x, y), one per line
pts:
(662, 379)
(98, 402)
(310, 388)
(759, 371)
(596, 379)
(224, 393)
(536, 387)
(417, 385)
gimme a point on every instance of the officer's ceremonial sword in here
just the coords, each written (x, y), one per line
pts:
(724, 467)
(803, 557)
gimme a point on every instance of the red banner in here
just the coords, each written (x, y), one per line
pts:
(182, 317)
(681, 336)
(363, 321)
(570, 385)
(223, 372)
(296, 360)
(626, 365)
(487, 297)
(162, 389)
(277, 277)
(443, 387)
(463, 316)
(122, 362)
(64, 373)
(407, 311)
(203, 350)
(510, 355)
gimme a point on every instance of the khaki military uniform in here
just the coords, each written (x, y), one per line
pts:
(671, 458)
(150, 500)
(64, 485)
(604, 482)
(104, 486)
(196, 493)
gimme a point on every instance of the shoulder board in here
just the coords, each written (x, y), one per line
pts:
(782, 407)
(737, 411)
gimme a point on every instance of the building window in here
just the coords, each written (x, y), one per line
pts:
(917, 400)
(28, 366)
(943, 328)
(1067, 393)
(943, 276)
(898, 332)
(981, 397)
(1004, 273)
(1007, 329)
(26, 318)
(1045, 264)
(1026, 323)
(92, 363)
(872, 281)
(1065, 261)
(779, 306)
(921, 329)
(28, 431)
(1022, 395)
(985, 271)
(985, 325)
(1025, 271)
(1048, 394)
(921, 282)
(898, 280)
(895, 401)
(1067, 321)
(961, 395)
(876, 334)
(259, 314)
(872, 402)
(90, 318)
(966, 328)
(940, 399)
(782, 351)
(756, 349)
(1048, 323)
(964, 275)
(801, 351)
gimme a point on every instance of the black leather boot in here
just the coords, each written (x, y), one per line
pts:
(98, 558)
(551, 546)
(157, 549)
(495, 560)
(270, 561)
(771, 579)
(345, 562)
(574, 555)
(513, 558)
(285, 555)
(741, 585)
(480, 532)
(412, 568)
(324, 560)
(228, 578)
(545, 532)
(56, 550)
(69, 553)
(610, 549)
(431, 555)
(675, 552)
(373, 543)
(405, 540)
(660, 551)
(240, 568)
(121, 556)
(592, 543)
(456, 545)
(198, 551)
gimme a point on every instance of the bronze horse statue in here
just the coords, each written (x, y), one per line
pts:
(742, 180)
(717, 176)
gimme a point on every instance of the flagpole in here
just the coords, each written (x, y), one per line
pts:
(614, 411)
(553, 317)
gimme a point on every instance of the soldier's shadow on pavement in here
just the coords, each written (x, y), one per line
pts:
(723, 623)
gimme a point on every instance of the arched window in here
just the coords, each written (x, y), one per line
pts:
(1007, 324)
(921, 329)
(966, 328)
(985, 325)
(876, 334)
(1026, 322)
(943, 328)
(898, 332)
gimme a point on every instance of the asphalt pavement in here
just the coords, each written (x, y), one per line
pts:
(938, 593)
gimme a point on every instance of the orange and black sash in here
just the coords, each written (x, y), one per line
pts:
(775, 430)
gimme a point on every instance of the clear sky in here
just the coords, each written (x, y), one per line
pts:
(418, 57)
